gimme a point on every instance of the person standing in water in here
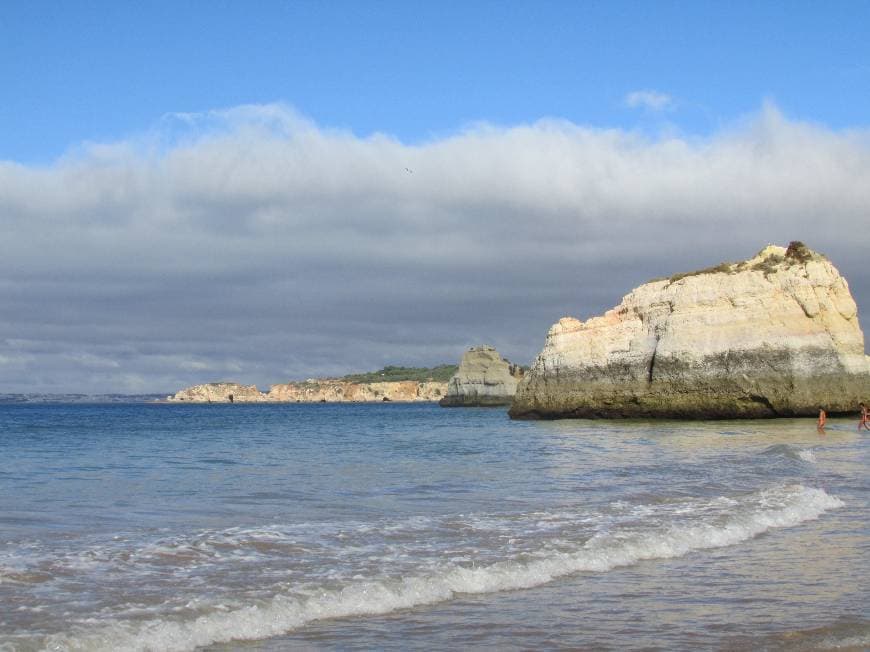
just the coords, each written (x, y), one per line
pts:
(823, 418)
(865, 417)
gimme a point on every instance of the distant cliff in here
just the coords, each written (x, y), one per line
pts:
(483, 379)
(328, 390)
(337, 391)
(775, 335)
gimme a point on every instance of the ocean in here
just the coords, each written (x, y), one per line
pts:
(412, 527)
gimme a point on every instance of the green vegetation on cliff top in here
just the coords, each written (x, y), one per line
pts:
(797, 252)
(441, 373)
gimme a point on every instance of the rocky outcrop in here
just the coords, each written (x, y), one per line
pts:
(220, 393)
(314, 391)
(776, 335)
(483, 379)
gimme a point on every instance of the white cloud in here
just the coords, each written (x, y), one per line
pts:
(256, 244)
(650, 100)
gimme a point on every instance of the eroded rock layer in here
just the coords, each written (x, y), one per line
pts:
(483, 379)
(776, 335)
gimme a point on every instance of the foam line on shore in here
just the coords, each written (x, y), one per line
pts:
(780, 507)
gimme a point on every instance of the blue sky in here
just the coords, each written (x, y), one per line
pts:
(200, 191)
(101, 71)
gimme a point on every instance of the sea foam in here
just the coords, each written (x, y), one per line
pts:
(779, 507)
(807, 455)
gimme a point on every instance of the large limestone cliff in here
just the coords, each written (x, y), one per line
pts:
(314, 391)
(483, 379)
(776, 335)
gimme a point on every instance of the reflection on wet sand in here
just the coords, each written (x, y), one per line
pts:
(748, 434)
(575, 446)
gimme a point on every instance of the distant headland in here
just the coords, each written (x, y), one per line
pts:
(392, 383)
(482, 379)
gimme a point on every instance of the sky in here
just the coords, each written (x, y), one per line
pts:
(202, 191)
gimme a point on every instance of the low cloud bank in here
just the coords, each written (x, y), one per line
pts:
(254, 245)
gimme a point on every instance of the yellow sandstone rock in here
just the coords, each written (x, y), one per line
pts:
(776, 335)
(484, 378)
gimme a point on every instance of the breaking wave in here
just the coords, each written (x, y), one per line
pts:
(791, 452)
(722, 522)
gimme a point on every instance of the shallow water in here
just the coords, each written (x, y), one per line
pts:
(263, 527)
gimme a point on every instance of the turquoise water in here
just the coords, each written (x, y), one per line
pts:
(268, 527)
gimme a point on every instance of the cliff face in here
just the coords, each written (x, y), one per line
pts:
(483, 379)
(332, 391)
(776, 335)
(314, 391)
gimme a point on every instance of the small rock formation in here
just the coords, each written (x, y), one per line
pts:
(776, 335)
(220, 393)
(314, 391)
(483, 379)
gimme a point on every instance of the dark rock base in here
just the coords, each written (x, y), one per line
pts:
(722, 398)
(475, 401)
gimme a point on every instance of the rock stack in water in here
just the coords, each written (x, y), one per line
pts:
(776, 335)
(483, 379)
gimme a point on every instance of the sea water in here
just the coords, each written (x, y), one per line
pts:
(411, 527)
